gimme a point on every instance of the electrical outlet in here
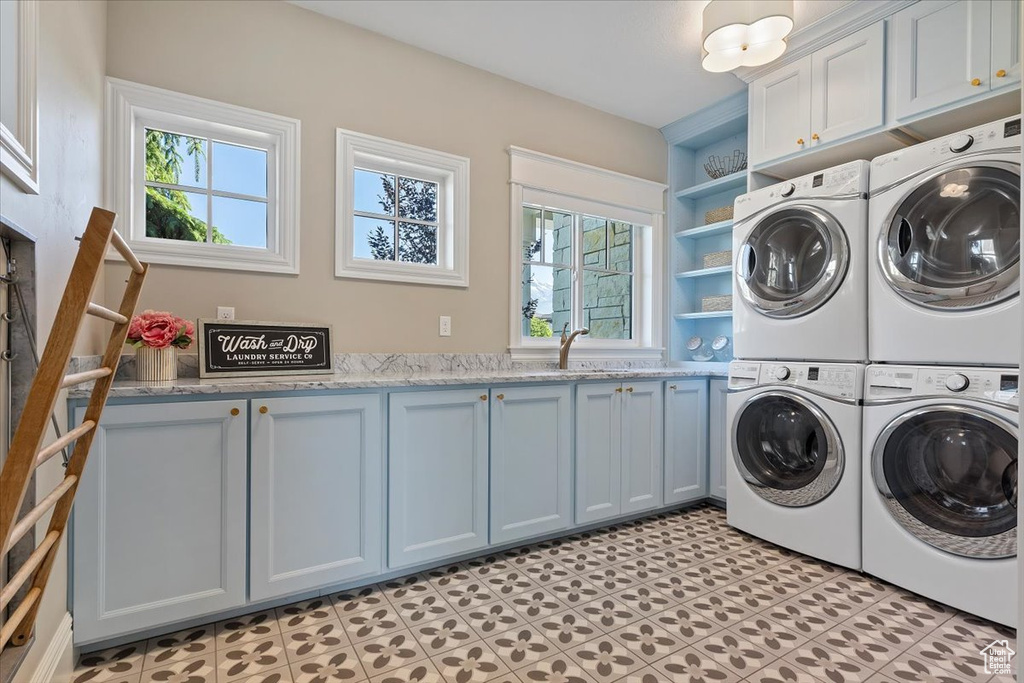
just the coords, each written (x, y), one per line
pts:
(225, 313)
(445, 328)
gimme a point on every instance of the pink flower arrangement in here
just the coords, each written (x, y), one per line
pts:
(160, 330)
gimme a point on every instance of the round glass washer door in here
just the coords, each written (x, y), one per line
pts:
(787, 449)
(954, 241)
(948, 475)
(792, 261)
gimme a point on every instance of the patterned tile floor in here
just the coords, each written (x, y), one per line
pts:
(672, 597)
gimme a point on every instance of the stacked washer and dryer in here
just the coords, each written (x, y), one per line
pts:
(873, 416)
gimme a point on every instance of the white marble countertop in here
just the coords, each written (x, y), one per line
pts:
(186, 386)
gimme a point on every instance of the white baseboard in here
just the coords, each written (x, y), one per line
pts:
(58, 648)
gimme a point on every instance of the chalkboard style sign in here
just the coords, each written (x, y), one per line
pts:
(235, 347)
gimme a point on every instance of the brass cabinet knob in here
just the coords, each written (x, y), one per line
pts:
(630, 390)
(264, 410)
(618, 390)
(234, 412)
(1001, 73)
(975, 82)
(501, 397)
(483, 397)
(799, 141)
(814, 136)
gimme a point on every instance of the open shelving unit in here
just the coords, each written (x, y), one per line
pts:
(719, 129)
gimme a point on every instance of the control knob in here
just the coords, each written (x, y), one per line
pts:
(957, 382)
(788, 189)
(961, 142)
(782, 373)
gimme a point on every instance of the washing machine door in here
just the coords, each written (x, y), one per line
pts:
(953, 242)
(787, 449)
(948, 475)
(792, 261)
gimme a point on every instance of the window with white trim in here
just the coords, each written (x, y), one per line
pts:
(202, 183)
(402, 212)
(583, 256)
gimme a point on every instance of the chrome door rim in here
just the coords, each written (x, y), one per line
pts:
(989, 292)
(826, 481)
(822, 290)
(993, 547)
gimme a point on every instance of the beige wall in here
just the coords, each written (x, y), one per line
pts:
(72, 51)
(279, 58)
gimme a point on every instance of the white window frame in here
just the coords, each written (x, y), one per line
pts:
(553, 182)
(19, 142)
(133, 107)
(450, 172)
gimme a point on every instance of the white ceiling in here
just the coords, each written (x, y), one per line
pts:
(639, 59)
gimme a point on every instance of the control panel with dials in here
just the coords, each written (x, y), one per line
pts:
(831, 379)
(893, 381)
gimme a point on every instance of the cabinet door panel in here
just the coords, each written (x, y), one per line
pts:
(530, 461)
(160, 517)
(316, 492)
(598, 452)
(437, 464)
(847, 93)
(780, 112)
(1005, 43)
(686, 442)
(719, 431)
(938, 49)
(642, 446)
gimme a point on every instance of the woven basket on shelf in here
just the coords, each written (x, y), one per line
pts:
(722, 213)
(722, 302)
(717, 258)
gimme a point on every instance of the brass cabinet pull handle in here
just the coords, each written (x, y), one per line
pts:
(672, 386)
(1001, 73)
(630, 390)
(501, 397)
(975, 82)
(799, 141)
(815, 137)
(483, 397)
(234, 412)
(264, 410)
(618, 389)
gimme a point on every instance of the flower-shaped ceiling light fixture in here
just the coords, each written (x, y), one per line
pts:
(739, 33)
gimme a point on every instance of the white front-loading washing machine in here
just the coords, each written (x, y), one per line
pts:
(793, 460)
(940, 484)
(944, 217)
(800, 273)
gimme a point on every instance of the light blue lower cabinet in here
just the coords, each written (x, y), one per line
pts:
(531, 461)
(317, 492)
(718, 432)
(437, 474)
(160, 517)
(598, 452)
(686, 442)
(642, 446)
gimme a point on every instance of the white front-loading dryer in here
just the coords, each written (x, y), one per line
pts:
(944, 282)
(940, 484)
(793, 459)
(800, 274)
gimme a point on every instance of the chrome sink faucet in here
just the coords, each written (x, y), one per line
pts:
(567, 340)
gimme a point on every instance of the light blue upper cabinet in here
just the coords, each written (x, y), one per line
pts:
(642, 446)
(941, 53)
(686, 442)
(317, 492)
(160, 517)
(437, 464)
(847, 91)
(1004, 69)
(531, 461)
(718, 432)
(598, 452)
(780, 112)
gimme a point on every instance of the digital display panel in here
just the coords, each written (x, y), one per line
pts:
(1008, 383)
(812, 374)
(818, 180)
(1011, 128)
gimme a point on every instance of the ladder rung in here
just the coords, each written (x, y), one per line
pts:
(61, 443)
(79, 377)
(106, 314)
(36, 513)
(126, 252)
(31, 562)
(17, 615)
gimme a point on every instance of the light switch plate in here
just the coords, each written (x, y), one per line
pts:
(445, 327)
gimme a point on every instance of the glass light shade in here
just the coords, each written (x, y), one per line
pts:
(739, 33)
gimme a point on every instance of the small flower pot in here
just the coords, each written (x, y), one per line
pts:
(156, 365)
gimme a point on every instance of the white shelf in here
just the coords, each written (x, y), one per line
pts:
(704, 272)
(733, 181)
(702, 315)
(719, 228)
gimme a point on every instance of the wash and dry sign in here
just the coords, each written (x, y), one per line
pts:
(236, 347)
